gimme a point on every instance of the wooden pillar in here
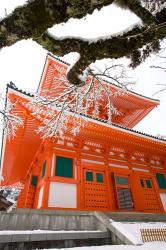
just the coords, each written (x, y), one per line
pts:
(108, 179)
(46, 179)
(79, 175)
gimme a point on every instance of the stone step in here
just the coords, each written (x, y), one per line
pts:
(136, 217)
(29, 240)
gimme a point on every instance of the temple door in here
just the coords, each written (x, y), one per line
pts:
(145, 195)
(95, 190)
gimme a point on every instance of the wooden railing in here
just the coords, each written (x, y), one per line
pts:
(153, 234)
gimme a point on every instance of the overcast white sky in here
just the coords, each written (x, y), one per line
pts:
(22, 63)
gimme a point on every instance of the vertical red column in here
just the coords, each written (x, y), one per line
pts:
(46, 184)
(78, 169)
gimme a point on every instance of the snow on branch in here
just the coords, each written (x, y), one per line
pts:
(36, 16)
(65, 108)
(10, 121)
(162, 89)
(117, 46)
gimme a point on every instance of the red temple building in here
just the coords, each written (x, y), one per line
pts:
(108, 167)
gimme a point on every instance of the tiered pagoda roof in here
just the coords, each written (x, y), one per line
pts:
(133, 107)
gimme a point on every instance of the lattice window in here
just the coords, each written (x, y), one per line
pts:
(161, 180)
(142, 183)
(33, 180)
(148, 184)
(89, 176)
(99, 177)
(121, 180)
(64, 167)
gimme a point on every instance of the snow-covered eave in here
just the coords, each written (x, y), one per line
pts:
(14, 90)
(99, 121)
(155, 101)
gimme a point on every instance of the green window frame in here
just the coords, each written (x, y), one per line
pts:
(121, 180)
(64, 167)
(99, 177)
(142, 183)
(34, 180)
(148, 184)
(89, 176)
(43, 169)
(161, 180)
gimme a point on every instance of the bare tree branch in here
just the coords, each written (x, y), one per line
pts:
(159, 67)
(136, 7)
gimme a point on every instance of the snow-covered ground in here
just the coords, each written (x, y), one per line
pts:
(132, 230)
(38, 231)
(147, 246)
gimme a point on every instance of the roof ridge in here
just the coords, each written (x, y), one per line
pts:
(59, 59)
(14, 87)
(157, 100)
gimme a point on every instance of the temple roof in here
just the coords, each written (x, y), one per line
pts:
(67, 64)
(132, 107)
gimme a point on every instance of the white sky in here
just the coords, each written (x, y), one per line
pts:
(23, 62)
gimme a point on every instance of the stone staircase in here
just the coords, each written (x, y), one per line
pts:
(33, 228)
(38, 229)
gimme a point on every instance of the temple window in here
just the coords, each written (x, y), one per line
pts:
(161, 180)
(43, 169)
(148, 184)
(142, 183)
(64, 167)
(89, 176)
(33, 180)
(99, 177)
(121, 180)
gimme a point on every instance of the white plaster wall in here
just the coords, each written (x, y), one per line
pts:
(163, 199)
(40, 197)
(62, 195)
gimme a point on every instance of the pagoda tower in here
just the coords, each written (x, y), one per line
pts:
(107, 167)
